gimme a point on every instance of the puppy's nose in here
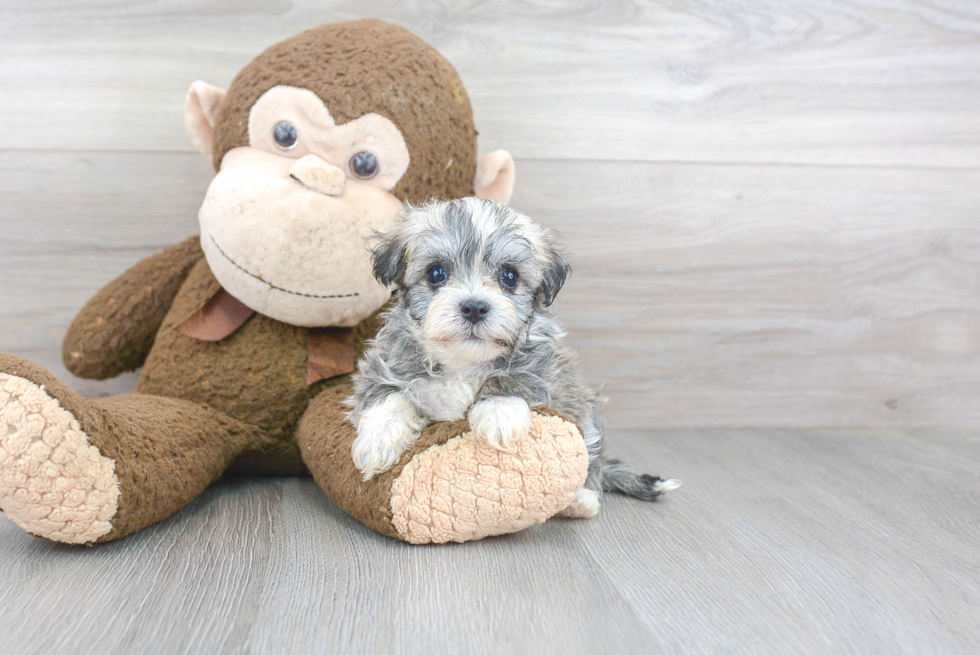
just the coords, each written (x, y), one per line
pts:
(317, 174)
(474, 311)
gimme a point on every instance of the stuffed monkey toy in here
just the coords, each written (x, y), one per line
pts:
(248, 333)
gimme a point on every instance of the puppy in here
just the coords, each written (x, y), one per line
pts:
(471, 333)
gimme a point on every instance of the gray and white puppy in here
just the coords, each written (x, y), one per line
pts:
(471, 333)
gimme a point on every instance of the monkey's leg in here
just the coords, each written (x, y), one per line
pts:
(450, 486)
(77, 470)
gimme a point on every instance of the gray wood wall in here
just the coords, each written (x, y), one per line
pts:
(773, 209)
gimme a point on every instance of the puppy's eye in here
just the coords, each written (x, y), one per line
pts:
(436, 276)
(364, 165)
(509, 278)
(285, 135)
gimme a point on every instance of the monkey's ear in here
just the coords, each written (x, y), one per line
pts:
(495, 177)
(388, 258)
(556, 270)
(200, 112)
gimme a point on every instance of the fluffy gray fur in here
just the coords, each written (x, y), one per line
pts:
(516, 351)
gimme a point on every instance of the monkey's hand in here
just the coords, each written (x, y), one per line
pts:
(384, 432)
(115, 330)
(501, 421)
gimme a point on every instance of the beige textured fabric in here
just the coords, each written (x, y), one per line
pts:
(437, 498)
(291, 253)
(494, 178)
(318, 134)
(54, 483)
(200, 108)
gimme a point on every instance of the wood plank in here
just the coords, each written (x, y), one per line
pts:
(801, 541)
(873, 82)
(703, 295)
(778, 296)
(260, 566)
(71, 222)
(780, 541)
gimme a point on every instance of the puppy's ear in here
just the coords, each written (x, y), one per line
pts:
(555, 271)
(389, 258)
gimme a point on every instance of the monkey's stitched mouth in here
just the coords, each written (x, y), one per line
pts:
(270, 284)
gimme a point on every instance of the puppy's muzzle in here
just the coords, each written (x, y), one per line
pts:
(474, 311)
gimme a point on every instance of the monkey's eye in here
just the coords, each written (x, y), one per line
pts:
(364, 165)
(509, 278)
(436, 275)
(285, 135)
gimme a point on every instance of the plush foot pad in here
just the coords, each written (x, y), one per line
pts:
(585, 505)
(53, 482)
(466, 489)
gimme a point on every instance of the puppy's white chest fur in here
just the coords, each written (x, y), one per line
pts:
(447, 397)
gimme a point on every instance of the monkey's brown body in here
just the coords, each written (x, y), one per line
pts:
(256, 375)
(80, 471)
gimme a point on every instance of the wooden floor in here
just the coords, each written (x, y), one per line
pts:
(773, 210)
(784, 541)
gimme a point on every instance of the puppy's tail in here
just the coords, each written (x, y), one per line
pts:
(621, 477)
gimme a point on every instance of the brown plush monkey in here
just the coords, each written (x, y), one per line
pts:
(247, 334)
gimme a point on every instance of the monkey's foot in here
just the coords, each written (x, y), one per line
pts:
(466, 489)
(585, 505)
(53, 482)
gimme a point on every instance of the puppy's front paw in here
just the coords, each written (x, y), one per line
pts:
(384, 432)
(585, 505)
(501, 421)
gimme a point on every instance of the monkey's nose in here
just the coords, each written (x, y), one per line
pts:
(474, 311)
(318, 175)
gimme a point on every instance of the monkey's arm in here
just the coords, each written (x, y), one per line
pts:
(115, 330)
